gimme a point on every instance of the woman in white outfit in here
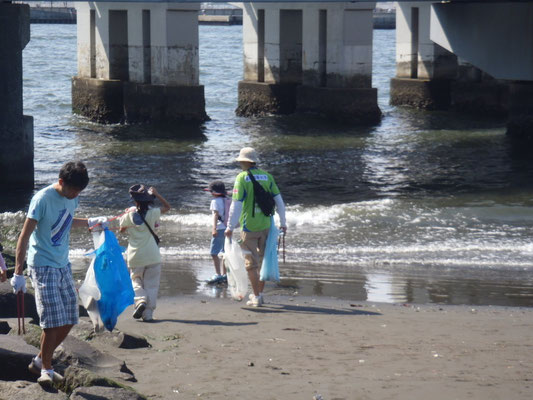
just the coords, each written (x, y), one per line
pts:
(143, 256)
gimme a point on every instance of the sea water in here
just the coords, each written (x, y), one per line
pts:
(424, 207)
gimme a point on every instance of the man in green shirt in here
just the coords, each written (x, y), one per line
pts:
(255, 225)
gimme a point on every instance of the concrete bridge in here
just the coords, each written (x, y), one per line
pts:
(139, 62)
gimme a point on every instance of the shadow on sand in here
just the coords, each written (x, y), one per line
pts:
(210, 322)
(282, 308)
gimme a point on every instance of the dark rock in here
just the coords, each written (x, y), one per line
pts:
(15, 356)
(32, 335)
(130, 341)
(4, 328)
(96, 393)
(24, 390)
(85, 331)
(77, 352)
(8, 304)
(76, 376)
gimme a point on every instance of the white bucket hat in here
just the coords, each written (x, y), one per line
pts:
(247, 154)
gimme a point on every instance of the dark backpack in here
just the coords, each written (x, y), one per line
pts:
(262, 198)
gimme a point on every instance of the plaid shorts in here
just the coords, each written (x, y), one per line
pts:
(55, 296)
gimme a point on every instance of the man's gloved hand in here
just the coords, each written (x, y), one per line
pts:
(97, 223)
(19, 283)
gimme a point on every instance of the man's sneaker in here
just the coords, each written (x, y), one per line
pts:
(255, 301)
(47, 379)
(251, 295)
(215, 279)
(138, 313)
(35, 367)
(224, 279)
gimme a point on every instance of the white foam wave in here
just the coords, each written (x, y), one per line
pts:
(196, 219)
(324, 216)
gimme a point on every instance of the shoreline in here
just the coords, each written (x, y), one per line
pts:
(300, 347)
(396, 285)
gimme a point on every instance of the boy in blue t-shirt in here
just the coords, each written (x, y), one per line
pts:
(47, 231)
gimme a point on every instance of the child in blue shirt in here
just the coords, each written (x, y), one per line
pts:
(219, 211)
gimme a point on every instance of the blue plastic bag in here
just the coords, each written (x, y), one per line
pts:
(270, 267)
(113, 280)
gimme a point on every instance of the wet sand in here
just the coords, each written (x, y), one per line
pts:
(318, 347)
(397, 285)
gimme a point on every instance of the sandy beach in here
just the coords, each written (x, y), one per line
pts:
(323, 348)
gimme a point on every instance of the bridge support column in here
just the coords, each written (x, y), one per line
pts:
(16, 129)
(424, 69)
(314, 57)
(138, 62)
(520, 123)
(476, 92)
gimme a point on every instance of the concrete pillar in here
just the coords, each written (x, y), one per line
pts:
(261, 92)
(314, 47)
(16, 130)
(253, 20)
(520, 123)
(424, 69)
(138, 62)
(476, 92)
(308, 57)
(272, 44)
(175, 46)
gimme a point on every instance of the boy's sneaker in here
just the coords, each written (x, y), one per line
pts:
(255, 301)
(215, 279)
(48, 379)
(138, 313)
(35, 367)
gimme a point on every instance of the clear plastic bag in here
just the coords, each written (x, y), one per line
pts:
(88, 291)
(237, 275)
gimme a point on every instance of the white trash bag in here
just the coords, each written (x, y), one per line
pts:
(235, 269)
(89, 292)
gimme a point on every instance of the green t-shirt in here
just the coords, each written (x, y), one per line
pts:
(243, 191)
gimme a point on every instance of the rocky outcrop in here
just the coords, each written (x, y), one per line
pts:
(89, 373)
(15, 355)
(80, 353)
(24, 390)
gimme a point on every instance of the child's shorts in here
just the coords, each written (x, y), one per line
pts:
(217, 243)
(55, 296)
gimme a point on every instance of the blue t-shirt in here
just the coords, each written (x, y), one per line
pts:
(49, 242)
